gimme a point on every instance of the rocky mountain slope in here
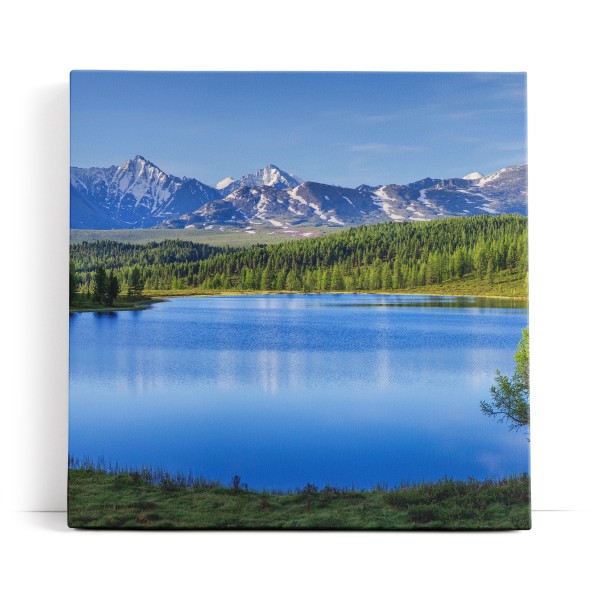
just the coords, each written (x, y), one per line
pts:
(137, 194)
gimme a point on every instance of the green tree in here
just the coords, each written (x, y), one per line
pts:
(412, 253)
(112, 290)
(280, 279)
(73, 282)
(88, 282)
(136, 284)
(99, 285)
(510, 396)
(375, 276)
(490, 271)
(480, 258)
(397, 274)
(386, 277)
(291, 282)
(266, 279)
(337, 280)
(459, 261)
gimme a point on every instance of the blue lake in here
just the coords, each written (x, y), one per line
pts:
(346, 390)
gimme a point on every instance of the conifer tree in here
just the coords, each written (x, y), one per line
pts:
(99, 285)
(73, 282)
(136, 285)
(112, 290)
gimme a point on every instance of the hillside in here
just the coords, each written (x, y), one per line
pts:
(386, 256)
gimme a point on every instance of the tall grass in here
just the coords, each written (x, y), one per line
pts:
(111, 496)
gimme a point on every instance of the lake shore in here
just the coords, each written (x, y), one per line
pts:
(141, 304)
(144, 500)
(155, 296)
(191, 293)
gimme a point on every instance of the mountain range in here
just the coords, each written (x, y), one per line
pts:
(139, 195)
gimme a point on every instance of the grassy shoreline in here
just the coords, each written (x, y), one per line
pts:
(163, 295)
(99, 499)
(154, 296)
(86, 305)
(198, 292)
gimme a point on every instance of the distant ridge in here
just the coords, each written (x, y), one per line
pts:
(139, 195)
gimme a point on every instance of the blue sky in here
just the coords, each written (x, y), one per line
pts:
(340, 128)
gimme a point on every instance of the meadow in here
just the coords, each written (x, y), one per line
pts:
(144, 499)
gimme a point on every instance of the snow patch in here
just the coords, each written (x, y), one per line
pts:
(485, 180)
(293, 210)
(385, 203)
(261, 207)
(318, 211)
(423, 199)
(294, 194)
(224, 183)
(380, 194)
(473, 176)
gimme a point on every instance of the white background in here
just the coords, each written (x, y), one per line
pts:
(554, 42)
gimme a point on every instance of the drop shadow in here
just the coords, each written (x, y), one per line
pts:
(48, 328)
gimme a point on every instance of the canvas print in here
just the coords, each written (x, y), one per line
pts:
(298, 301)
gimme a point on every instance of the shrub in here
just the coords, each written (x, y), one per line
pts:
(520, 518)
(423, 513)
(405, 497)
(168, 484)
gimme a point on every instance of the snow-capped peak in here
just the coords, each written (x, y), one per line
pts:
(139, 160)
(505, 174)
(270, 176)
(138, 164)
(138, 194)
(145, 182)
(273, 176)
(224, 183)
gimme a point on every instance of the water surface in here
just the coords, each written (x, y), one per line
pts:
(288, 389)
